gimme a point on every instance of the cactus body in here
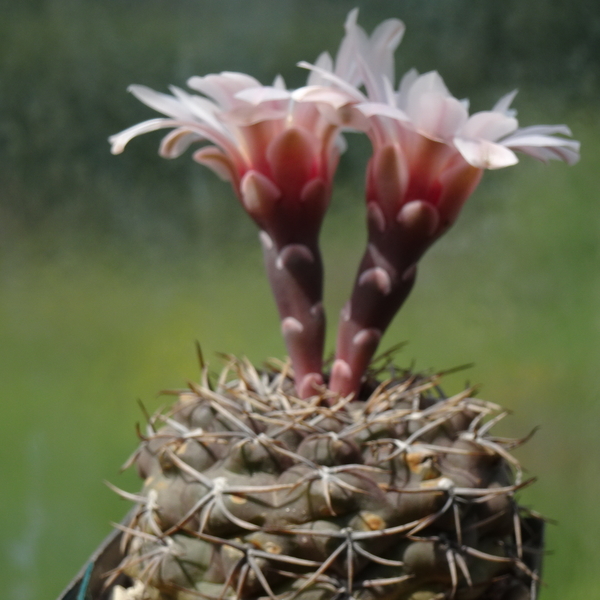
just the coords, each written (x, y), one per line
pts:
(250, 492)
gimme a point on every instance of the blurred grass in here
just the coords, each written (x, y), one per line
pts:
(110, 268)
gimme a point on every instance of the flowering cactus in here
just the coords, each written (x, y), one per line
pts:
(260, 486)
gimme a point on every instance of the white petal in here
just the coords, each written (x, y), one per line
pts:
(223, 87)
(503, 105)
(279, 83)
(371, 78)
(428, 83)
(388, 90)
(384, 40)
(436, 116)
(544, 130)
(351, 19)
(387, 36)
(199, 107)
(327, 95)
(247, 114)
(258, 95)
(544, 154)
(484, 154)
(372, 109)
(406, 83)
(120, 140)
(162, 103)
(324, 62)
(338, 81)
(340, 144)
(345, 63)
(488, 125)
(518, 139)
(544, 147)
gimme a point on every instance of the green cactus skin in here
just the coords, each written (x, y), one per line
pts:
(250, 492)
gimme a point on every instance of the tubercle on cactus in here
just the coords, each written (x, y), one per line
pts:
(252, 492)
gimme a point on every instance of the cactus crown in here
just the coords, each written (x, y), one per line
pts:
(252, 492)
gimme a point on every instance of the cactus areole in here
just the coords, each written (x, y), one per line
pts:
(365, 481)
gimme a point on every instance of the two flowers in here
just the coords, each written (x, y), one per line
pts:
(280, 149)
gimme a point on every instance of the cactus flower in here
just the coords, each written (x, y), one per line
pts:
(428, 157)
(280, 156)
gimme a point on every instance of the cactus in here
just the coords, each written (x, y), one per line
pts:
(251, 492)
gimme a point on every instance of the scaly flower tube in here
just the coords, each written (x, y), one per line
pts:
(280, 156)
(428, 157)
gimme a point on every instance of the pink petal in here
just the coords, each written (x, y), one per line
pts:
(421, 216)
(316, 193)
(258, 194)
(347, 117)
(216, 160)
(459, 181)
(388, 178)
(291, 157)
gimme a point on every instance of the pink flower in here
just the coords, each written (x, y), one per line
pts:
(280, 153)
(428, 157)
(429, 149)
(425, 145)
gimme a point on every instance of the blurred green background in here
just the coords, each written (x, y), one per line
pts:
(111, 267)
